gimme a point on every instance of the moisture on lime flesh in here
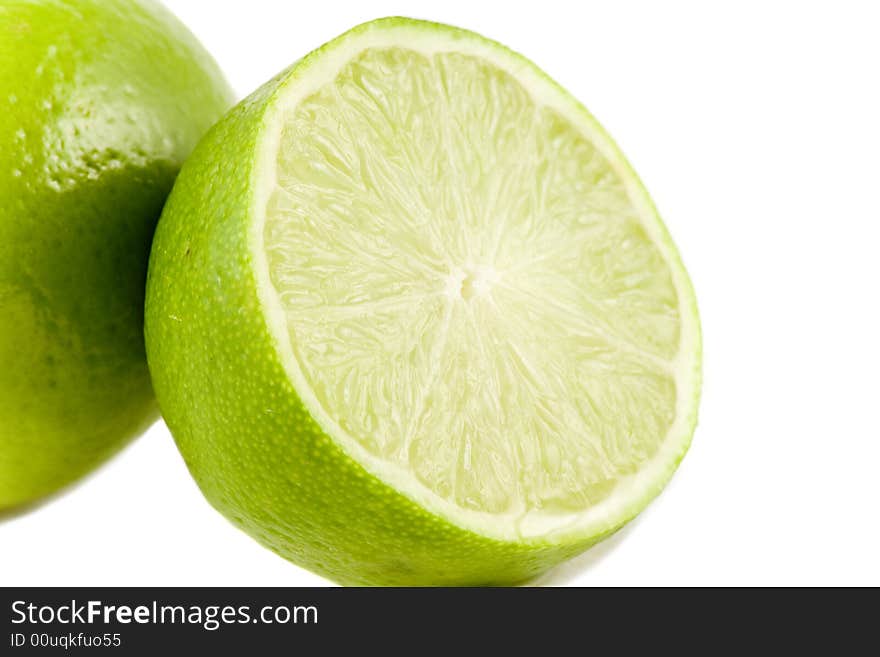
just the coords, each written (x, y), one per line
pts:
(100, 102)
(412, 319)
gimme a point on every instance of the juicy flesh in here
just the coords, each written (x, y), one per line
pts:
(468, 289)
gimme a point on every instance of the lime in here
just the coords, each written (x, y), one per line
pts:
(412, 318)
(100, 102)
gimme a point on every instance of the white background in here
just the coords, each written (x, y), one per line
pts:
(756, 127)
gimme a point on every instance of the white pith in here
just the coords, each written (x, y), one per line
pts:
(467, 283)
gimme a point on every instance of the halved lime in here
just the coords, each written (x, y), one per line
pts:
(432, 326)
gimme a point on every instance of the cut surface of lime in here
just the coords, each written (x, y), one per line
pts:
(470, 290)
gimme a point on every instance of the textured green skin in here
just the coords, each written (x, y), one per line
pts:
(249, 442)
(100, 102)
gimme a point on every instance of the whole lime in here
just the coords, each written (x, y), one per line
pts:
(100, 102)
(413, 319)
